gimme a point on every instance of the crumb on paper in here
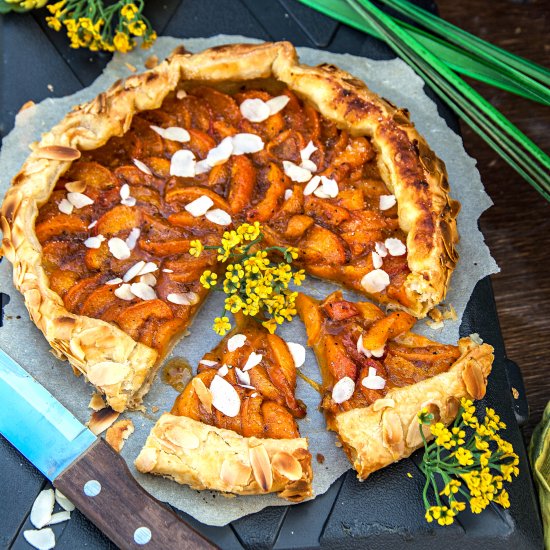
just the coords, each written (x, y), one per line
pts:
(118, 433)
(50, 87)
(151, 62)
(409, 475)
(101, 420)
(435, 325)
(154, 409)
(320, 458)
(27, 105)
(515, 393)
(96, 402)
(130, 67)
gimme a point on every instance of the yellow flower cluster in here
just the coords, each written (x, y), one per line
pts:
(254, 285)
(91, 24)
(24, 5)
(474, 468)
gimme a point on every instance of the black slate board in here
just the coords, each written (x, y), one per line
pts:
(383, 512)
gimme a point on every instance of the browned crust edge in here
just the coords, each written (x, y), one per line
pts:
(410, 168)
(205, 457)
(388, 430)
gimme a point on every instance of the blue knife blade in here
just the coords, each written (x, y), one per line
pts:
(36, 424)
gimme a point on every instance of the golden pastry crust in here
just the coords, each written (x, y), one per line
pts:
(205, 457)
(118, 366)
(388, 430)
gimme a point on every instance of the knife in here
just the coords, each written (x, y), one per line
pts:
(85, 468)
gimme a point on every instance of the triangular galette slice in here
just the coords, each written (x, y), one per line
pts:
(233, 428)
(377, 376)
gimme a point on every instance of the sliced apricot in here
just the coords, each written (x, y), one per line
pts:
(99, 300)
(222, 105)
(200, 142)
(61, 281)
(278, 422)
(309, 312)
(274, 182)
(92, 173)
(297, 226)
(322, 246)
(324, 212)
(60, 225)
(243, 178)
(76, 295)
(252, 420)
(135, 315)
(120, 218)
(185, 195)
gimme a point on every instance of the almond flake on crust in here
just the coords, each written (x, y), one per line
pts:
(183, 439)
(143, 291)
(261, 467)
(243, 378)
(295, 172)
(253, 360)
(142, 166)
(119, 249)
(148, 279)
(182, 164)
(218, 216)
(132, 238)
(134, 271)
(312, 185)
(235, 342)
(102, 419)
(77, 186)
(235, 473)
(343, 390)
(124, 292)
(79, 200)
(298, 353)
(200, 206)
(65, 207)
(375, 281)
(58, 152)
(255, 110)
(373, 381)
(376, 260)
(287, 465)
(246, 143)
(94, 242)
(208, 362)
(277, 103)
(225, 397)
(381, 249)
(223, 370)
(183, 298)
(220, 153)
(387, 201)
(172, 133)
(395, 247)
(118, 433)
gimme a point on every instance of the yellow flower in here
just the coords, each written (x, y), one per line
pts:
(221, 325)
(446, 516)
(129, 11)
(122, 42)
(299, 276)
(503, 499)
(492, 420)
(233, 303)
(451, 487)
(458, 505)
(208, 279)
(55, 9)
(137, 28)
(270, 325)
(464, 456)
(250, 232)
(195, 248)
(442, 435)
(149, 40)
(54, 23)
(425, 416)
(478, 504)
(458, 435)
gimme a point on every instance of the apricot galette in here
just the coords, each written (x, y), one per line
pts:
(100, 221)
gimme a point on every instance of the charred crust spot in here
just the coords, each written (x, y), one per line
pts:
(327, 67)
(151, 76)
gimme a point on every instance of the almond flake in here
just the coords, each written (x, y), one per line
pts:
(328, 190)
(298, 353)
(343, 389)
(254, 394)
(93, 224)
(295, 172)
(181, 437)
(173, 133)
(183, 298)
(96, 404)
(225, 397)
(143, 291)
(130, 201)
(183, 164)
(255, 110)
(373, 381)
(387, 201)
(202, 167)
(376, 260)
(287, 465)
(149, 267)
(60, 517)
(253, 360)
(65, 207)
(312, 185)
(361, 348)
(203, 393)
(148, 279)
(308, 165)
(42, 508)
(208, 362)
(235, 342)
(307, 151)
(63, 501)
(125, 191)
(288, 194)
(57, 152)
(115, 281)
(133, 237)
(78, 200)
(375, 281)
(142, 166)
(180, 94)
(106, 373)
(124, 292)
(277, 104)
(218, 216)
(378, 352)
(166, 270)
(78, 186)
(243, 378)
(381, 249)
(261, 467)
(220, 153)
(101, 420)
(119, 249)
(246, 143)
(200, 206)
(395, 247)
(223, 370)
(133, 271)
(94, 242)
(43, 539)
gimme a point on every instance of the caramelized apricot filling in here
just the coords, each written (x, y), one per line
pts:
(118, 248)
(248, 389)
(364, 353)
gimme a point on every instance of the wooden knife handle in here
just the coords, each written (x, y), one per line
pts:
(103, 489)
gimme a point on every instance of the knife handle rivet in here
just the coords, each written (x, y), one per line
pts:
(142, 535)
(92, 488)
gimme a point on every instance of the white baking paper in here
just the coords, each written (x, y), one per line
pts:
(22, 340)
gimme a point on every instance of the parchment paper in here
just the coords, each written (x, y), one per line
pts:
(22, 340)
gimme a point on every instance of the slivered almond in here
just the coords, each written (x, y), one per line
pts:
(78, 186)
(182, 438)
(65, 207)
(261, 467)
(42, 508)
(225, 397)
(373, 381)
(94, 242)
(295, 172)
(124, 292)
(208, 362)
(60, 517)
(376, 260)
(142, 167)
(312, 185)
(298, 353)
(218, 216)
(143, 291)
(234, 473)
(343, 390)
(235, 342)
(79, 200)
(277, 103)
(395, 247)
(253, 360)
(183, 298)
(146, 460)
(107, 373)
(243, 378)
(375, 281)
(387, 201)
(246, 143)
(474, 380)
(63, 501)
(220, 153)
(307, 151)
(203, 393)
(255, 110)
(200, 206)
(58, 152)
(134, 271)
(180, 94)
(118, 433)
(101, 420)
(223, 370)
(182, 164)
(381, 249)
(148, 279)
(125, 191)
(287, 465)
(172, 133)
(392, 432)
(41, 539)
(119, 249)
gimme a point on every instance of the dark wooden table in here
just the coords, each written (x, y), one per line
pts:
(517, 227)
